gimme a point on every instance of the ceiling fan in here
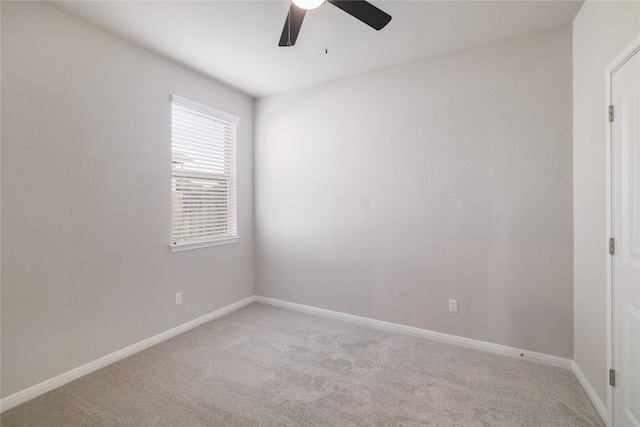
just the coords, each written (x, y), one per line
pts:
(362, 10)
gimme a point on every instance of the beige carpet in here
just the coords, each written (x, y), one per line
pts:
(267, 366)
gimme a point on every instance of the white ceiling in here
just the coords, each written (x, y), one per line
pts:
(236, 42)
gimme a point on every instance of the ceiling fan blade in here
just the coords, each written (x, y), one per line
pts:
(364, 11)
(292, 26)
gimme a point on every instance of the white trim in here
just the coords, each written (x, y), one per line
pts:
(178, 247)
(205, 108)
(609, 265)
(620, 59)
(593, 396)
(504, 350)
(66, 377)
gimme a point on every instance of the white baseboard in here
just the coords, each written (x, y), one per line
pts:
(66, 377)
(546, 359)
(586, 385)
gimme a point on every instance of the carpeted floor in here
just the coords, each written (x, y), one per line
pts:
(267, 366)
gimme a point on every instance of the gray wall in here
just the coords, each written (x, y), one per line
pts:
(86, 268)
(600, 31)
(385, 194)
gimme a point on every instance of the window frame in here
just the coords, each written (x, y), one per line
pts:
(231, 194)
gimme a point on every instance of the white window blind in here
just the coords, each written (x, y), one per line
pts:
(203, 180)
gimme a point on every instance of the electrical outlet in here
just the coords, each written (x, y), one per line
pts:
(453, 305)
(178, 298)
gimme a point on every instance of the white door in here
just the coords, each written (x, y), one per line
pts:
(625, 143)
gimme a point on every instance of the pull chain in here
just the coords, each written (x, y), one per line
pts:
(326, 29)
(326, 36)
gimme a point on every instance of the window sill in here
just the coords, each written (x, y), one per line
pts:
(179, 247)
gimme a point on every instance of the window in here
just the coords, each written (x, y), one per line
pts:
(203, 176)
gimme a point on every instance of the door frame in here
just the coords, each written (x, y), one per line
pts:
(618, 62)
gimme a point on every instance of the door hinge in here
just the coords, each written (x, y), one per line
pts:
(610, 113)
(612, 246)
(612, 377)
